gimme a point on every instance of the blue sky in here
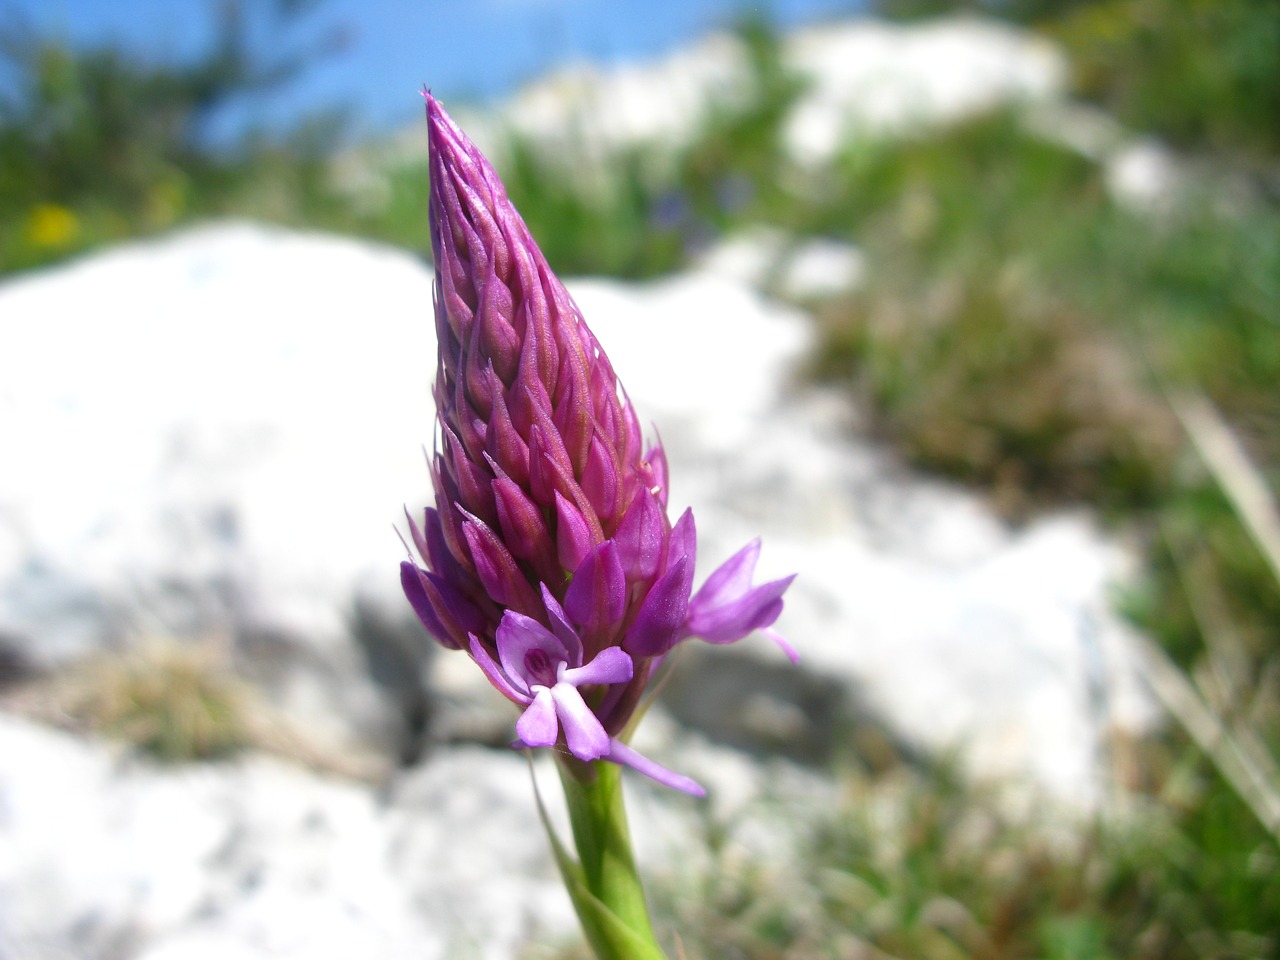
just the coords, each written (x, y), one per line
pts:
(459, 47)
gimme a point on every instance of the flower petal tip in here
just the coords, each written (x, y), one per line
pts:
(787, 648)
(622, 754)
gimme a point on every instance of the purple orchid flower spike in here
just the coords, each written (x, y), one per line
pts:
(549, 555)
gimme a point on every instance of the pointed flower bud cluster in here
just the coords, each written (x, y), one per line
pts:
(549, 555)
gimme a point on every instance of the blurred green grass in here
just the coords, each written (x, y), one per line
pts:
(1019, 330)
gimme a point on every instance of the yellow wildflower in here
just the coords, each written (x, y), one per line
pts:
(51, 225)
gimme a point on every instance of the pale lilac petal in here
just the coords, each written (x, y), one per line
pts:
(582, 730)
(732, 618)
(495, 674)
(537, 726)
(619, 752)
(610, 665)
(732, 578)
(518, 636)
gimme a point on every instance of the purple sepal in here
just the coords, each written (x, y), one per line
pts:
(498, 339)
(656, 458)
(416, 594)
(728, 607)
(683, 541)
(497, 569)
(443, 610)
(597, 597)
(600, 479)
(438, 556)
(523, 528)
(503, 441)
(639, 536)
(620, 753)
(560, 625)
(573, 534)
(663, 613)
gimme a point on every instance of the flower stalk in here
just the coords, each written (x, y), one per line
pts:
(549, 556)
(612, 907)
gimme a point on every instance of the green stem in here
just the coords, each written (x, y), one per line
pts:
(614, 914)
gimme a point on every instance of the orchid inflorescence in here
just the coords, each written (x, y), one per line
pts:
(549, 555)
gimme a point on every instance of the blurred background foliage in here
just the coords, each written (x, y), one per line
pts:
(1202, 73)
(1020, 329)
(103, 143)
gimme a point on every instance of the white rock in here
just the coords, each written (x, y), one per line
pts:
(585, 106)
(764, 258)
(957, 629)
(214, 406)
(102, 857)
(213, 434)
(1144, 175)
(874, 78)
(820, 268)
(864, 77)
(749, 257)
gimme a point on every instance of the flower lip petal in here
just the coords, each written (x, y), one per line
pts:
(610, 665)
(583, 733)
(537, 726)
